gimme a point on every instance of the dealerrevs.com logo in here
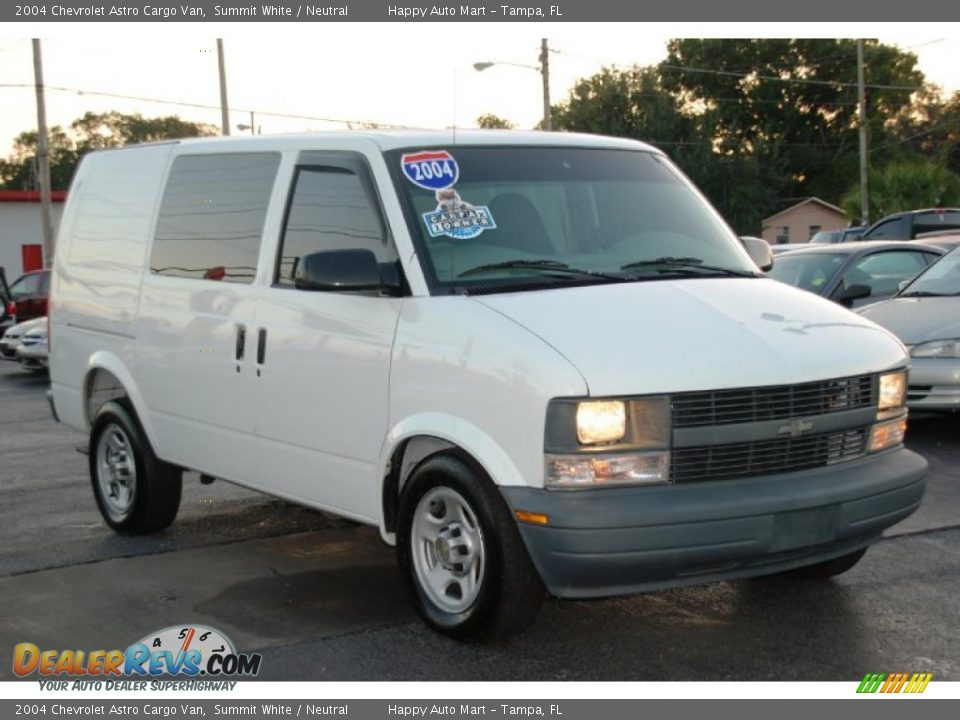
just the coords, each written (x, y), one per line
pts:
(182, 651)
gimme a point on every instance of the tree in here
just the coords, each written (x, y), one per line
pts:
(489, 121)
(792, 104)
(92, 131)
(906, 186)
(634, 103)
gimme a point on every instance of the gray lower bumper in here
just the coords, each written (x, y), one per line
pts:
(617, 541)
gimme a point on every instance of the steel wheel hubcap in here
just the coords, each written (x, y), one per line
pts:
(448, 549)
(116, 472)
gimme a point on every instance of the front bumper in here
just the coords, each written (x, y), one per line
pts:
(934, 384)
(616, 541)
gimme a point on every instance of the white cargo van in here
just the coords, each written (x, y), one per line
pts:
(534, 361)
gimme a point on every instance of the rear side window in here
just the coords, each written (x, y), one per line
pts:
(330, 209)
(212, 215)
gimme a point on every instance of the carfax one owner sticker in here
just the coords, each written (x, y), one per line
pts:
(437, 170)
(182, 651)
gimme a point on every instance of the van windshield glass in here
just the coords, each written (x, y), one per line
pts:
(501, 216)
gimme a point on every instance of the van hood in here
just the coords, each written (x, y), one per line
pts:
(700, 334)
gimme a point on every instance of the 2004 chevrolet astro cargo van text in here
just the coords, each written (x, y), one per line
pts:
(533, 360)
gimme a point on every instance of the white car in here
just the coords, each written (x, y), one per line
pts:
(33, 349)
(13, 337)
(534, 361)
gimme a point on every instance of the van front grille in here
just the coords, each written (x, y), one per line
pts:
(743, 405)
(766, 457)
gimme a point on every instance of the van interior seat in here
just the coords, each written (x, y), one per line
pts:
(519, 225)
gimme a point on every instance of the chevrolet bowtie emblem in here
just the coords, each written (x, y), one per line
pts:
(795, 428)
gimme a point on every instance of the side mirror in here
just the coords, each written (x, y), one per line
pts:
(759, 251)
(847, 295)
(901, 286)
(344, 271)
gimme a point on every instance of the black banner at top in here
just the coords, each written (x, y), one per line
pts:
(529, 11)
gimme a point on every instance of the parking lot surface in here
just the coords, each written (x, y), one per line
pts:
(322, 599)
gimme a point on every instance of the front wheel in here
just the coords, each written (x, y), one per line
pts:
(135, 491)
(462, 555)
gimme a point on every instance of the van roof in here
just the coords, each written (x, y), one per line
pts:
(394, 139)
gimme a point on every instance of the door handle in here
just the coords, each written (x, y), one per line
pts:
(261, 345)
(241, 341)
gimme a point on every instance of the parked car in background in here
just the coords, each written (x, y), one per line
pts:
(14, 335)
(28, 296)
(854, 274)
(946, 239)
(829, 237)
(908, 225)
(7, 319)
(33, 350)
(926, 318)
(787, 247)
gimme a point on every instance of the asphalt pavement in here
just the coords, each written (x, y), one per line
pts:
(322, 599)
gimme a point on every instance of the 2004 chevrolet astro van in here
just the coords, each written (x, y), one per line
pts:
(536, 362)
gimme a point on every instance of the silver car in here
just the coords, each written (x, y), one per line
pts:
(12, 338)
(33, 351)
(925, 315)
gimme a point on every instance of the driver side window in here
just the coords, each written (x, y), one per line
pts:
(331, 208)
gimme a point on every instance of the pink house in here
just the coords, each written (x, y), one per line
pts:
(798, 223)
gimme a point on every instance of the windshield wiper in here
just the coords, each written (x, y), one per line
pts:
(548, 266)
(686, 264)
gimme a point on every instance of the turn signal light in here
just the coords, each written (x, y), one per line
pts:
(532, 517)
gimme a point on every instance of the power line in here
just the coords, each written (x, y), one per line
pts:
(774, 78)
(203, 106)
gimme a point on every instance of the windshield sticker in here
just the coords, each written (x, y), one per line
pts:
(457, 219)
(431, 169)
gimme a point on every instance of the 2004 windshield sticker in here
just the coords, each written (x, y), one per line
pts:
(437, 170)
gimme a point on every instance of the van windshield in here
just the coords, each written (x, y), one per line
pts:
(510, 217)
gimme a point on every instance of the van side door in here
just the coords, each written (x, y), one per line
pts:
(197, 311)
(324, 355)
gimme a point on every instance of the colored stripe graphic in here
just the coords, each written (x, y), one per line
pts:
(894, 683)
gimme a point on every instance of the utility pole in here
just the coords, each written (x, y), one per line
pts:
(862, 102)
(545, 72)
(43, 157)
(224, 106)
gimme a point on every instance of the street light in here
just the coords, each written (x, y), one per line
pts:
(543, 68)
(254, 130)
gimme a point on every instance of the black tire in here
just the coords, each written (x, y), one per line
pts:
(510, 590)
(823, 570)
(154, 492)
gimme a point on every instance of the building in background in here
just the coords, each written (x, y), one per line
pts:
(21, 231)
(801, 221)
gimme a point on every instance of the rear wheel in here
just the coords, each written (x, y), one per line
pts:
(135, 491)
(462, 555)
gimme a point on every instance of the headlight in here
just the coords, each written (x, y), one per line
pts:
(937, 349)
(602, 421)
(599, 443)
(893, 390)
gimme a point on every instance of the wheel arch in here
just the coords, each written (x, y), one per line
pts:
(420, 437)
(108, 378)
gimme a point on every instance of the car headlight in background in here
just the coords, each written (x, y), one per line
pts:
(893, 391)
(608, 442)
(937, 349)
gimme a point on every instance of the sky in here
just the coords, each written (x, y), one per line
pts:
(390, 73)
